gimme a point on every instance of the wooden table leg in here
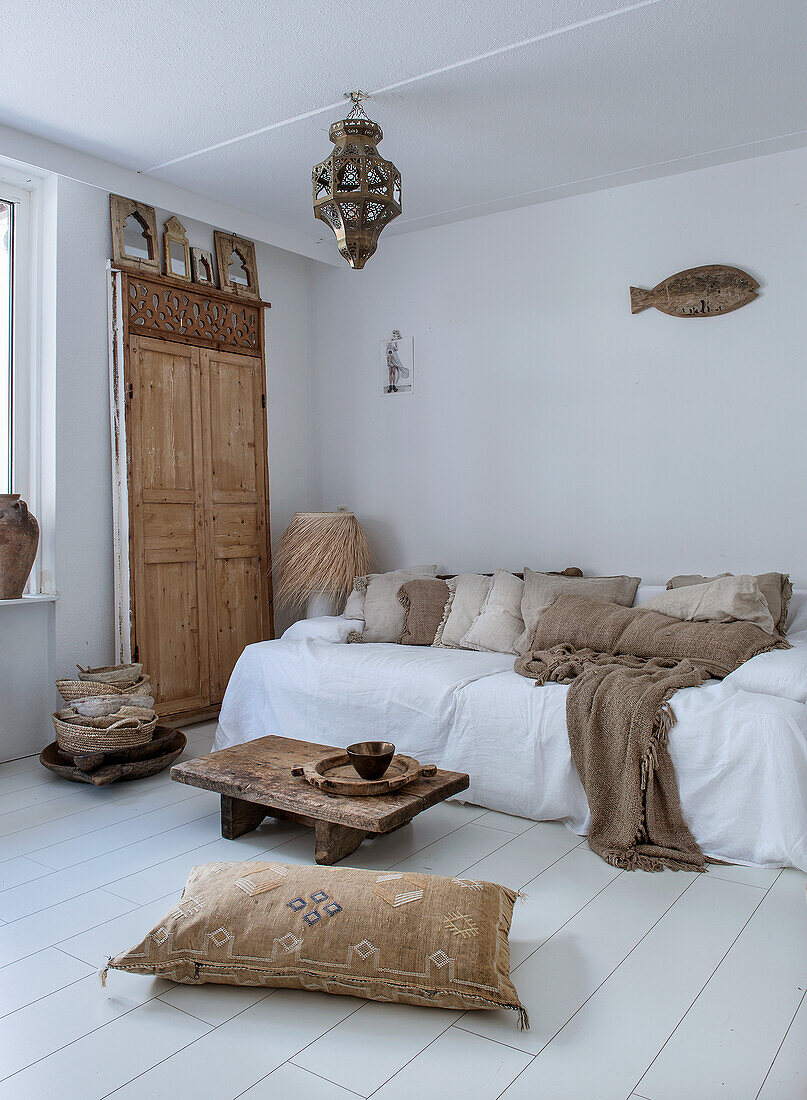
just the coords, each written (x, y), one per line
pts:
(239, 817)
(335, 842)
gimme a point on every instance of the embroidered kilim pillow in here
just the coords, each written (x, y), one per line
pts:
(386, 936)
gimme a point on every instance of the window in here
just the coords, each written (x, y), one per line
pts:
(14, 306)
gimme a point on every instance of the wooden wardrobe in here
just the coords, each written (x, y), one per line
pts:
(196, 456)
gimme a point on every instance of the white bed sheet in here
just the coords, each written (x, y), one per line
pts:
(740, 756)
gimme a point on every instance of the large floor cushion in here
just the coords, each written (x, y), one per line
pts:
(386, 936)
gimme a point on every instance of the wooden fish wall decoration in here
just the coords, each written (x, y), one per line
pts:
(698, 292)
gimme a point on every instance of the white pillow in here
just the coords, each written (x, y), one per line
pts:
(797, 611)
(646, 592)
(781, 672)
(499, 624)
(467, 593)
(354, 608)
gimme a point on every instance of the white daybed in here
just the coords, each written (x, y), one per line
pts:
(739, 746)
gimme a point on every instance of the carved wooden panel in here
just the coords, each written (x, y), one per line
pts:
(170, 647)
(166, 384)
(239, 613)
(167, 509)
(190, 314)
(232, 445)
(235, 469)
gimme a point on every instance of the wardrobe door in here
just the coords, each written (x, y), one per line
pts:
(167, 522)
(234, 447)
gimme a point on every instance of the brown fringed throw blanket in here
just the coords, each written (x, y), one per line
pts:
(623, 665)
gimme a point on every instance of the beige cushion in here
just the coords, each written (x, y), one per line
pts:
(775, 587)
(498, 625)
(466, 596)
(382, 611)
(542, 589)
(724, 600)
(419, 939)
(686, 579)
(354, 607)
(423, 602)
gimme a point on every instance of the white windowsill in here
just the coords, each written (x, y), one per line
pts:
(50, 598)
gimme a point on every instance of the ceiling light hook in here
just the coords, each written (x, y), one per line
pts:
(357, 111)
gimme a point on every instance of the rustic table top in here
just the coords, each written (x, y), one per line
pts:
(260, 771)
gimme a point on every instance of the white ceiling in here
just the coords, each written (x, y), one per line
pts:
(598, 94)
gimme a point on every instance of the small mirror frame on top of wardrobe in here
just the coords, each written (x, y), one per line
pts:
(120, 210)
(226, 245)
(174, 233)
(202, 266)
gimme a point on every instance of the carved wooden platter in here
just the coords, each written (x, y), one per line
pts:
(335, 774)
(103, 768)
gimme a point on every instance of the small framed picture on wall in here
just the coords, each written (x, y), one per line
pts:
(398, 364)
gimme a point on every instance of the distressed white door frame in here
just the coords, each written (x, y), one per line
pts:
(120, 485)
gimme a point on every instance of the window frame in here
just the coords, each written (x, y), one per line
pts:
(20, 330)
(33, 357)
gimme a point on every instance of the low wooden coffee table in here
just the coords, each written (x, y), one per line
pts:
(255, 780)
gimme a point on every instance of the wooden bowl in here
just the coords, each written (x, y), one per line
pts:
(371, 758)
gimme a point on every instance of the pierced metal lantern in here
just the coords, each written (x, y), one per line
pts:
(356, 191)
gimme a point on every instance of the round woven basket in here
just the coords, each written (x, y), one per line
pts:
(80, 689)
(100, 706)
(80, 736)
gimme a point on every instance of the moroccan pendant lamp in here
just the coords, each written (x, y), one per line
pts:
(356, 191)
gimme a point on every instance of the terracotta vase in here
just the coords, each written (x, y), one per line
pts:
(19, 538)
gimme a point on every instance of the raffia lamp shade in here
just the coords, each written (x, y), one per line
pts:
(321, 552)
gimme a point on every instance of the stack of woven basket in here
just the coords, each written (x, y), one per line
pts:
(109, 710)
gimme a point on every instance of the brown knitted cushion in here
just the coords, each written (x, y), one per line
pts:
(387, 936)
(583, 623)
(424, 602)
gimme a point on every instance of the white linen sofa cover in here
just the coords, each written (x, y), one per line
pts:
(740, 755)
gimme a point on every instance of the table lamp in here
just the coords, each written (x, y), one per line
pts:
(319, 555)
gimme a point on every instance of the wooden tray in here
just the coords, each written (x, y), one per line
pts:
(103, 768)
(335, 774)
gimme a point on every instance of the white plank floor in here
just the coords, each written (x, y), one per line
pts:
(646, 986)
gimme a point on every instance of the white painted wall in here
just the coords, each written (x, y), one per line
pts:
(549, 426)
(39, 644)
(27, 637)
